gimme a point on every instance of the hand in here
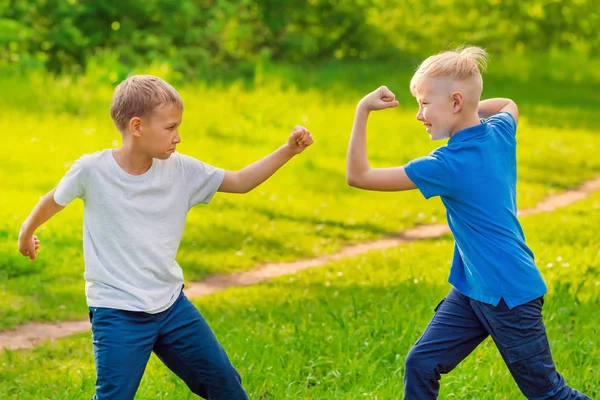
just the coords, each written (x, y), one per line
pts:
(29, 246)
(299, 140)
(379, 99)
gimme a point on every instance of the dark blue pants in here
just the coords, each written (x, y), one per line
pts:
(460, 324)
(179, 336)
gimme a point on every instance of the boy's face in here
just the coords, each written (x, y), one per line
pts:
(436, 107)
(159, 133)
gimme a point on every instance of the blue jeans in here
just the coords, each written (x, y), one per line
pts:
(460, 324)
(179, 336)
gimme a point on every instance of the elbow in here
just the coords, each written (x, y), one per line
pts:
(242, 184)
(242, 188)
(352, 180)
(358, 179)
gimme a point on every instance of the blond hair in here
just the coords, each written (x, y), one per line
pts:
(138, 96)
(460, 64)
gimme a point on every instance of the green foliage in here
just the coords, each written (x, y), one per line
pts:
(192, 35)
(207, 38)
(500, 25)
(187, 34)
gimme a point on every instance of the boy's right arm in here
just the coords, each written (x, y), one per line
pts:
(42, 212)
(359, 173)
(490, 107)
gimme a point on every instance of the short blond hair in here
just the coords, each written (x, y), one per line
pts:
(138, 96)
(461, 64)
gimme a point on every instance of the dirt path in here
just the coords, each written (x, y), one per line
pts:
(30, 334)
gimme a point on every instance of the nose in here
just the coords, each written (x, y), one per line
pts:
(177, 139)
(419, 116)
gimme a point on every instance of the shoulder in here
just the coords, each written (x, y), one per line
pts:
(442, 155)
(503, 121)
(187, 161)
(176, 162)
(187, 165)
(437, 159)
(92, 161)
(181, 161)
(181, 158)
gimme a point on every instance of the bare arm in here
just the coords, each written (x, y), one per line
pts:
(358, 171)
(256, 173)
(42, 212)
(490, 107)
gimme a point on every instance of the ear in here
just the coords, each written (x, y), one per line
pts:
(458, 101)
(135, 126)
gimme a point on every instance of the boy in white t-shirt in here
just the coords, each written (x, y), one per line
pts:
(136, 199)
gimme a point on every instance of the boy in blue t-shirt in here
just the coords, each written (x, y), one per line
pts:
(497, 288)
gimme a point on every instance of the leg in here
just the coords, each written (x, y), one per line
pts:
(123, 342)
(520, 335)
(189, 348)
(453, 333)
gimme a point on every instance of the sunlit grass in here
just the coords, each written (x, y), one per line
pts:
(305, 210)
(342, 331)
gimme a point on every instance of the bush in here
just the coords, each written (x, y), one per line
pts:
(210, 37)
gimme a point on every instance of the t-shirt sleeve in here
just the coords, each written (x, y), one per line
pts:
(504, 122)
(72, 185)
(430, 174)
(202, 180)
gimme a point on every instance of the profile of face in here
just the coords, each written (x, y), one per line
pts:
(157, 135)
(439, 106)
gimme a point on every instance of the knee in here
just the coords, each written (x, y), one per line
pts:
(417, 363)
(226, 377)
(222, 384)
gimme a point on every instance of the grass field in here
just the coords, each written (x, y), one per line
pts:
(340, 331)
(304, 210)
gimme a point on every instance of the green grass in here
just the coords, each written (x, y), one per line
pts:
(342, 331)
(305, 210)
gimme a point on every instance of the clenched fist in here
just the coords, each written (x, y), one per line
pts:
(379, 99)
(299, 140)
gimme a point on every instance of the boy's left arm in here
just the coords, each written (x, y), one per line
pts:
(490, 107)
(256, 173)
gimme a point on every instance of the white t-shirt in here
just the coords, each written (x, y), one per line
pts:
(133, 224)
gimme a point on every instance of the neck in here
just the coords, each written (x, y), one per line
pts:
(470, 121)
(131, 160)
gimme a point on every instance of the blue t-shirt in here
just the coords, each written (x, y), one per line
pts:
(475, 175)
